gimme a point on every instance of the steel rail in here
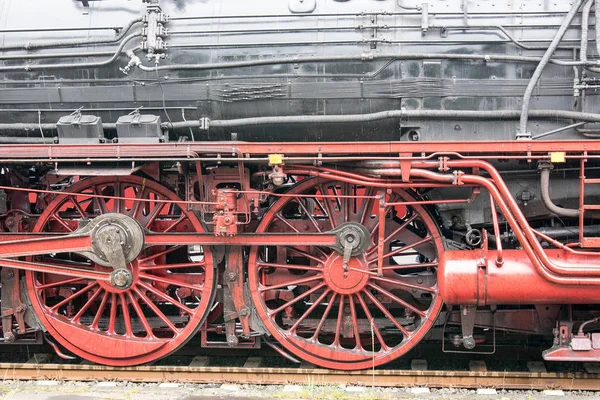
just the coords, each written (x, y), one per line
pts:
(300, 376)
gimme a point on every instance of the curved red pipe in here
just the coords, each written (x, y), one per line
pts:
(541, 263)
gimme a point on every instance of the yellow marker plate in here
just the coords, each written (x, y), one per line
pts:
(275, 159)
(558, 157)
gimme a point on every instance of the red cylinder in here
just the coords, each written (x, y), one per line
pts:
(471, 277)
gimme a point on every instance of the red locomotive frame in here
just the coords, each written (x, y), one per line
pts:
(339, 245)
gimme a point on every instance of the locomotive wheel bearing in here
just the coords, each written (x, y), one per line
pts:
(113, 233)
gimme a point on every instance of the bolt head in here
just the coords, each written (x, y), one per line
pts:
(121, 279)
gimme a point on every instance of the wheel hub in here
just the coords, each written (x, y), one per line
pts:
(121, 278)
(352, 239)
(114, 232)
(345, 278)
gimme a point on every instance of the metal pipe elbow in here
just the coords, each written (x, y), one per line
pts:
(545, 189)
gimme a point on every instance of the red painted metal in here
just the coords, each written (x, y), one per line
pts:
(248, 239)
(472, 277)
(335, 313)
(330, 316)
(44, 245)
(108, 325)
(525, 149)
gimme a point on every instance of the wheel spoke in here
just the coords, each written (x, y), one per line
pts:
(166, 267)
(167, 298)
(126, 315)
(376, 331)
(296, 282)
(355, 323)
(375, 229)
(135, 209)
(100, 201)
(308, 214)
(327, 203)
(387, 313)
(303, 253)
(159, 254)
(78, 207)
(285, 221)
(338, 324)
(309, 310)
(289, 303)
(66, 263)
(392, 253)
(58, 219)
(69, 281)
(116, 192)
(404, 284)
(156, 310)
(112, 320)
(345, 191)
(171, 281)
(74, 296)
(100, 311)
(315, 335)
(366, 206)
(174, 224)
(406, 266)
(290, 266)
(398, 300)
(390, 236)
(154, 214)
(87, 305)
(141, 316)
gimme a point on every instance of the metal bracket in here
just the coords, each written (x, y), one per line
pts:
(154, 31)
(467, 323)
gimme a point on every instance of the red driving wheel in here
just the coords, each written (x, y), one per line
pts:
(172, 287)
(347, 316)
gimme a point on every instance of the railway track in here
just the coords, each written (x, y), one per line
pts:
(256, 371)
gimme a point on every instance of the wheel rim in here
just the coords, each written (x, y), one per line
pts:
(172, 287)
(346, 319)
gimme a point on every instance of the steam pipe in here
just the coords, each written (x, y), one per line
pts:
(518, 222)
(69, 43)
(537, 255)
(585, 27)
(545, 189)
(363, 57)
(416, 114)
(585, 20)
(499, 256)
(39, 67)
(540, 68)
(597, 17)
(349, 118)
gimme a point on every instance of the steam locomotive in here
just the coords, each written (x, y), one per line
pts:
(335, 180)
